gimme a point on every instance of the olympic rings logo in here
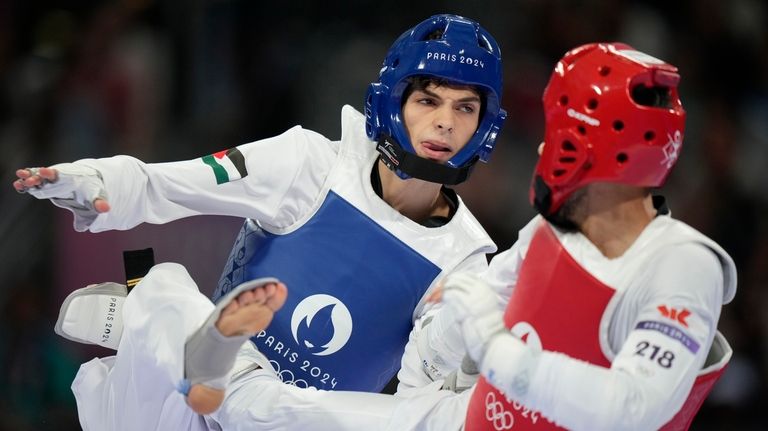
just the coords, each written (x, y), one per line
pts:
(287, 376)
(496, 414)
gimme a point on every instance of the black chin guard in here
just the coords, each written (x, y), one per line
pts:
(542, 202)
(397, 159)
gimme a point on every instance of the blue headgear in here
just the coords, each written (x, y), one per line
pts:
(465, 54)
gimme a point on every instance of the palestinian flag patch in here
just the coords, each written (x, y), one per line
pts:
(228, 165)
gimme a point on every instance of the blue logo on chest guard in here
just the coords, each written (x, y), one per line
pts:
(321, 324)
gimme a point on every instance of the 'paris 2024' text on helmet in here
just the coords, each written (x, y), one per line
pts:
(612, 114)
(462, 53)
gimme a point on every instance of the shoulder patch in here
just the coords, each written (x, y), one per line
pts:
(228, 165)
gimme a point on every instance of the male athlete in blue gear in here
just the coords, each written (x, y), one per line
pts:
(359, 229)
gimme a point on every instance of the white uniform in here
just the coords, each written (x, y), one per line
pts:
(669, 269)
(654, 333)
(282, 182)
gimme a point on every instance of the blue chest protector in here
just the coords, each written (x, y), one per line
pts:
(352, 290)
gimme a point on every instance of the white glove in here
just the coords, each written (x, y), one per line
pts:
(478, 310)
(75, 188)
(440, 344)
(504, 360)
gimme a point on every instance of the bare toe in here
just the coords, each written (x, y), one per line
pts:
(246, 319)
(230, 308)
(277, 299)
(246, 298)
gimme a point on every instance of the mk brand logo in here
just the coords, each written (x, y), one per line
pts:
(321, 324)
(675, 314)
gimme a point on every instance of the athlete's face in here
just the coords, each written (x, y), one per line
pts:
(440, 120)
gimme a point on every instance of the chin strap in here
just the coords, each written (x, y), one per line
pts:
(404, 163)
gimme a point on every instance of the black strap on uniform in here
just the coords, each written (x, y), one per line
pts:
(398, 159)
(137, 264)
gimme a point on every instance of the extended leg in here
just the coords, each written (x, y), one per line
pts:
(140, 387)
(210, 352)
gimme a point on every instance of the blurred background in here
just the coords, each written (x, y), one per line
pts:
(166, 80)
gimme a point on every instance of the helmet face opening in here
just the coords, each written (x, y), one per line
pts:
(655, 97)
(612, 114)
(449, 49)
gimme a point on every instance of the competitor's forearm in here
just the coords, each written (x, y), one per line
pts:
(578, 395)
(136, 192)
(163, 192)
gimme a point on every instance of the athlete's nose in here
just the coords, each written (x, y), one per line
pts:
(444, 118)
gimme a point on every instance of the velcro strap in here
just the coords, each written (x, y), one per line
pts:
(137, 264)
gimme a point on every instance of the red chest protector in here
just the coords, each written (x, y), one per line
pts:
(558, 305)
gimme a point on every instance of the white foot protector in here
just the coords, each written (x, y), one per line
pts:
(93, 315)
(209, 356)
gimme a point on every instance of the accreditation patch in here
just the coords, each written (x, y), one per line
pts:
(228, 165)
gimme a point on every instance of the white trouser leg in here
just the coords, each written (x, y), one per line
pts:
(258, 400)
(430, 409)
(136, 389)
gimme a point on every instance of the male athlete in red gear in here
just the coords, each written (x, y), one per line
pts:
(612, 319)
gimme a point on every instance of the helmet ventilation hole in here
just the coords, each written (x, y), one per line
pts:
(395, 63)
(563, 100)
(592, 104)
(558, 172)
(618, 125)
(568, 146)
(604, 70)
(582, 130)
(649, 135)
(622, 158)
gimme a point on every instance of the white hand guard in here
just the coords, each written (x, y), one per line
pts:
(440, 344)
(504, 360)
(75, 189)
(509, 364)
(477, 308)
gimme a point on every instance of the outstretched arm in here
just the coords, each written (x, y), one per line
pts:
(255, 180)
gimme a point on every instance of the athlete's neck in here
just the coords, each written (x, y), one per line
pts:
(414, 198)
(612, 216)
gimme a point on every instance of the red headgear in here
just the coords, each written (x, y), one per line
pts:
(613, 114)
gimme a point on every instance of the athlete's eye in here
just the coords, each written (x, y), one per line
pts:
(427, 101)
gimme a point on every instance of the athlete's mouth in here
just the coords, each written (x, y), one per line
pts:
(436, 151)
